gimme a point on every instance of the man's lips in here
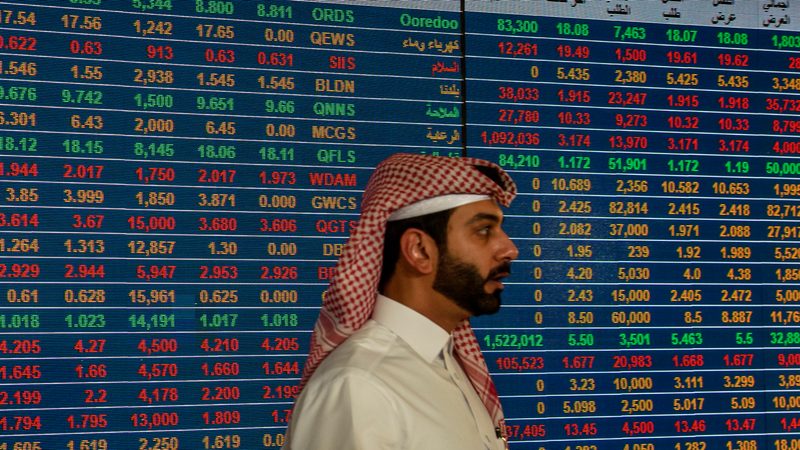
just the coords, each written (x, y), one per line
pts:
(497, 274)
(497, 284)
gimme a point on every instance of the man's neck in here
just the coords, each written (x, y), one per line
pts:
(436, 307)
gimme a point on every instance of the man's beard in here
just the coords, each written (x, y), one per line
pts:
(463, 283)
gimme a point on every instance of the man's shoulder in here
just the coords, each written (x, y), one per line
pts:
(373, 352)
(365, 350)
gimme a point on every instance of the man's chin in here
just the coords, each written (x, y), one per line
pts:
(488, 304)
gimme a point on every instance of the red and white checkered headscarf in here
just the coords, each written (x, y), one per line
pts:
(398, 181)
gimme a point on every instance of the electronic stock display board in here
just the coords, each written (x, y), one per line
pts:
(177, 179)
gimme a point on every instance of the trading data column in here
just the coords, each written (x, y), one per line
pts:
(655, 145)
(177, 180)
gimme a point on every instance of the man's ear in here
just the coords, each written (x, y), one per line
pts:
(418, 251)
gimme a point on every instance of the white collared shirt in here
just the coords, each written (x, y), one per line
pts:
(394, 384)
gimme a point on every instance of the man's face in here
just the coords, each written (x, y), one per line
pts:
(478, 256)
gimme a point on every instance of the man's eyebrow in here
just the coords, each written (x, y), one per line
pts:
(485, 216)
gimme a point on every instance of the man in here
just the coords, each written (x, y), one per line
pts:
(407, 371)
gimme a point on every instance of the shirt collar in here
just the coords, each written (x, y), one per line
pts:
(419, 332)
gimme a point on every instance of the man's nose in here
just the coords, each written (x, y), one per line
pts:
(508, 250)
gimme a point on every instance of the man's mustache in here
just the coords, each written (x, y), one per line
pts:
(501, 271)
